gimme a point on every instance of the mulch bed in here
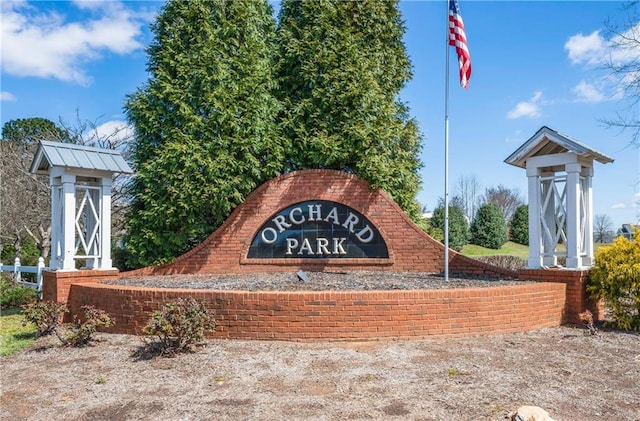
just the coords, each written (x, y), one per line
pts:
(315, 281)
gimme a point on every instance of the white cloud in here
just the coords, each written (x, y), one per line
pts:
(7, 96)
(44, 44)
(624, 48)
(588, 92)
(113, 132)
(590, 49)
(594, 51)
(619, 206)
(529, 108)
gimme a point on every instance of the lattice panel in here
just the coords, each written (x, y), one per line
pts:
(87, 222)
(553, 199)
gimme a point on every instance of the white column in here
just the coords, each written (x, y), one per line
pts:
(574, 239)
(587, 173)
(55, 181)
(535, 237)
(105, 224)
(68, 243)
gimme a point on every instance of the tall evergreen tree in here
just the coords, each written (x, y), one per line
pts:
(458, 226)
(519, 225)
(30, 130)
(341, 66)
(204, 122)
(489, 228)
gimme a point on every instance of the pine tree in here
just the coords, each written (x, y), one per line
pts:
(204, 121)
(489, 229)
(342, 65)
(458, 226)
(519, 226)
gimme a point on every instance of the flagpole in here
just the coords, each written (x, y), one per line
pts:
(446, 156)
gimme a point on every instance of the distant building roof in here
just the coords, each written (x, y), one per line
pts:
(547, 141)
(628, 228)
(70, 156)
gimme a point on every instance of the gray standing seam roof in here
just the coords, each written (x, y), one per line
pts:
(547, 141)
(69, 155)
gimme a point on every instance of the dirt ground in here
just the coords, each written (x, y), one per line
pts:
(571, 375)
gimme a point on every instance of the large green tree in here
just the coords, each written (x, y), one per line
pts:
(489, 228)
(30, 130)
(342, 65)
(204, 122)
(519, 225)
(458, 226)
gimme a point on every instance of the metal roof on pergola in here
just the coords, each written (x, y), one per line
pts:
(72, 156)
(547, 141)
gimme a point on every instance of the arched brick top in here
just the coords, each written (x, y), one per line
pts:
(410, 248)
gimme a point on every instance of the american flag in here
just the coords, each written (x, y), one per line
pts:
(458, 39)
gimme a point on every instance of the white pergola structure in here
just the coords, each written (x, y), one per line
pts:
(81, 179)
(560, 173)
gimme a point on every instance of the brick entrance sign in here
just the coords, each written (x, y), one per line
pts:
(325, 220)
(332, 200)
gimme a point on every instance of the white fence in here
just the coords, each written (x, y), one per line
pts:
(18, 270)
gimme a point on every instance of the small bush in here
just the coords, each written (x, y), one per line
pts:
(179, 325)
(504, 261)
(44, 315)
(79, 332)
(587, 319)
(615, 278)
(14, 295)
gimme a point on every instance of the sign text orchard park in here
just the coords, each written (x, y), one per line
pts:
(318, 229)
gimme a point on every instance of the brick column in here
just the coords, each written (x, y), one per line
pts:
(577, 299)
(56, 285)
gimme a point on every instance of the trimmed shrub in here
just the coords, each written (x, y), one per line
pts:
(519, 225)
(14, 295)
(488, 228)
(44, 315)
(179, 325)
(615, 278)
(458, 226)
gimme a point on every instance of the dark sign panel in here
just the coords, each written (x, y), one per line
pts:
(318, 229)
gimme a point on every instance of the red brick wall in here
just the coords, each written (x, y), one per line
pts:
(577, 299)
(342, 315)
(410, 248)
(57, 284)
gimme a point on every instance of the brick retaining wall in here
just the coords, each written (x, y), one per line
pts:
(342, 315)
(577, 296)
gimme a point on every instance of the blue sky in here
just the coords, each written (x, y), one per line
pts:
(534, 64)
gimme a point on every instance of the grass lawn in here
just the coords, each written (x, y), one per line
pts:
(509, 248)
(13, 335)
